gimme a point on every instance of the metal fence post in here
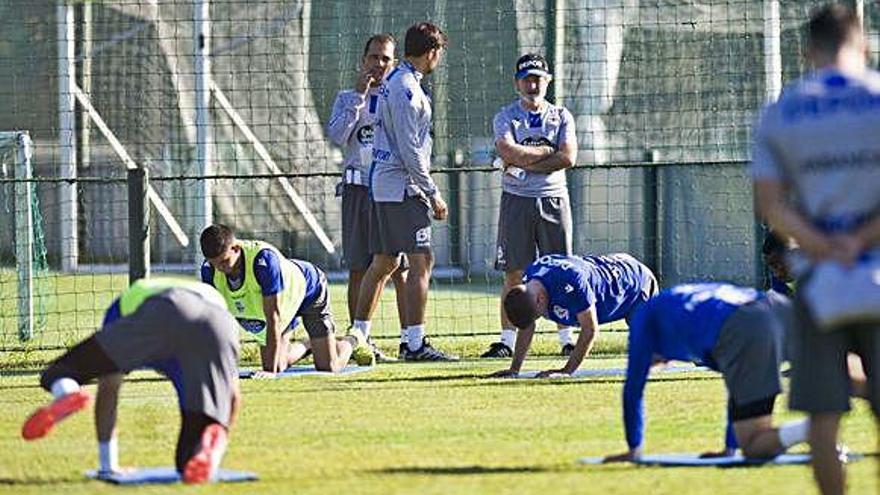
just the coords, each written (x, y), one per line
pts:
(651, 214)
(138, 225)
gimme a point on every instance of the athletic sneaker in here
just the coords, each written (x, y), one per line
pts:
(362, 352)
(203, 465)
(381, 357)
(402, 349)
(45, 418)
(566, 350)
(498, 350)
(427, 352)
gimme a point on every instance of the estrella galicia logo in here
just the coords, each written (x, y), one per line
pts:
(365, 134)
(239, 306)
(560, 312)
(252, 326)
(536, 141)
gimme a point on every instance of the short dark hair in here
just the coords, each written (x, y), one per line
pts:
(423, 37)
(831, 27)
(773, 244)
(379, 38)
(521, 307)
(216, 239)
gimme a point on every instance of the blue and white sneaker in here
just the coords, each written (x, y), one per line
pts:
(427, 352)
(497, 350)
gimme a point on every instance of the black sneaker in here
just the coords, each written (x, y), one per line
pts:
(427, 352)
(402, 349)
(381, 357)
(498, 350)
(566, 350)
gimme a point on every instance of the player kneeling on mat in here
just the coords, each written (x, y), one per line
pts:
(182, 330)
(726, 328)
(267, 293)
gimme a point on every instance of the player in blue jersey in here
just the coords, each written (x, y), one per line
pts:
(536, 143)
(726, 328)
(583, 291)
(268, 294)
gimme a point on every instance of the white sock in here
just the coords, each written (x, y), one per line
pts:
(363, 326)
(566, 335)
(108, 455)
(415, 336)
(404, 336)
(794, 432)
(508, 337)
(63, 386)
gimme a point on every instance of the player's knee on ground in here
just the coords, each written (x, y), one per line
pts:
(84, 362)
(326, 359)
(752, 423)
(189, 441)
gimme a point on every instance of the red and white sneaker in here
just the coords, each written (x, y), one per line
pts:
(203, 465)
(45, 418)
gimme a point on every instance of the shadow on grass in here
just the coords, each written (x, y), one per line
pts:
(462, 470)
(36, 383)
(41, 482)
(480, 380)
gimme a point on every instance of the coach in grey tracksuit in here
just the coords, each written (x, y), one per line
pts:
(816, 174)
(402, 190)
(535, 141)
(352, 126)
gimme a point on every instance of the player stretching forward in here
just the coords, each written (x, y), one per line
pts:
(180, 329)
(575, 290)
(266, 292)
(729, 329)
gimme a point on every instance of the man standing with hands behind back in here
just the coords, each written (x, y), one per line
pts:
(816, 172)
(403, 192)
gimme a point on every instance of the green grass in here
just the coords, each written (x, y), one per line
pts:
(463, 314)
(426, 429)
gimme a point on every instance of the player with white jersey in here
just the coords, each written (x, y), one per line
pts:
(535, 141)
(583, 291)
(403, 192)
(352, 127)
(816, 172)
(733, 330)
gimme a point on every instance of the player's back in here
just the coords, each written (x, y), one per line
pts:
(687, 319)
(823, 134)
(399, 137)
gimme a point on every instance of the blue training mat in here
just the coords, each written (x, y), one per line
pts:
(694, 460)
(165, 475)
(618, 371)
(309, 370)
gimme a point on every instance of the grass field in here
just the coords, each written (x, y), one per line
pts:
(402, 428)
(463, 316)
(423, 428)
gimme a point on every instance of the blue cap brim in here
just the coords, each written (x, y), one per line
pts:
(533, 72)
